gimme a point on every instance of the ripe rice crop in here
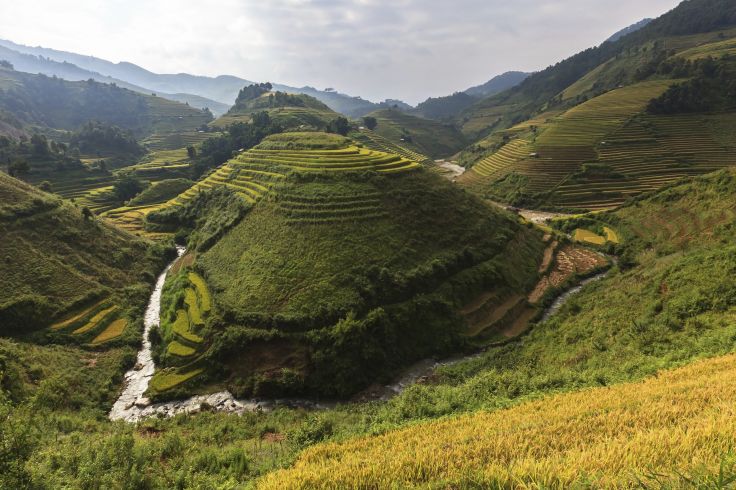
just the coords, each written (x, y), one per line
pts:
(180, 350)
(610, 437)
(190, 298)
(113, 331)
(180, 327)
(205, 301)
(95, 320)
(581, 235)
(165, 380)
(79, 316)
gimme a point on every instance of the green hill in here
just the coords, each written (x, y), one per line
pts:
(294, 111)
(38, 100)
(431, 138)
(350, 264)
(54, 260)
(657, 110)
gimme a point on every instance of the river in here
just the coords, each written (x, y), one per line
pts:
(132, 406)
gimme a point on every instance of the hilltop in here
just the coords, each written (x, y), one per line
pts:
(297, 111)
(57, 259)
(339, 248)
(38, 100)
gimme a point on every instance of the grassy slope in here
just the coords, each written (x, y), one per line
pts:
(55, 103)
(673, 306)
(669, 431)
(52, 254)
(425, 136)
(348, 257)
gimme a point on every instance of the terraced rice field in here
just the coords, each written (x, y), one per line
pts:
(600, 153)
(96, 320)
(330, 208)
(375, 141)
(170, 378)
(90, 189)
(569, 261)
(77, 317)
(172, 141)
(131, 219)
(113, 331)
(587, 236)
(254, 173)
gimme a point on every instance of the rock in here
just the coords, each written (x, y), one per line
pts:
(142, 402)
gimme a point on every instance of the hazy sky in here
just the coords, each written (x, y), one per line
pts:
(407, 49)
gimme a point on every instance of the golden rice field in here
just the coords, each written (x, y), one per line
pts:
(587, 236)
(181, 327)
(180, 350)
(113, 331)
(95, 320)
(681, 422)
(68, 322)
(165, 380)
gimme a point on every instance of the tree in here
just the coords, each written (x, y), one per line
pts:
(18, 167)
(87, 213)
(6, 64)
(127, 188)
(45, 186)
(339, 125)
(191, 151)
(370, 122)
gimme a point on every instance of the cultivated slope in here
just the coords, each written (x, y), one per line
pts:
(289, 110)
(673, 303)
(351, 264)
(55, 260)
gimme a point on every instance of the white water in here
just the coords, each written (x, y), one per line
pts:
(132, 406)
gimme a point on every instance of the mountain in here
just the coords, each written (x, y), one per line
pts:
(38, 100)
(498, 84)
(58, 260)
(540, 91)
(292, 111)
(628, 30)
(614, 121)
(37, 64)
(181, 87)
(374, 275)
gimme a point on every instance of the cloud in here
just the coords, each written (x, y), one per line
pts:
(408, 49)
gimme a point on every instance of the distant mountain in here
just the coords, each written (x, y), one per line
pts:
(632, 28)
(35, 64)
(498, 84)
(36, 100)
(222, 89)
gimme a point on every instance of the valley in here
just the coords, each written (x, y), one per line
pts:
(526, 284)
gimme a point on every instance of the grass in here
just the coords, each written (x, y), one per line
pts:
(113, 331)
(54, 257)
(612, 437)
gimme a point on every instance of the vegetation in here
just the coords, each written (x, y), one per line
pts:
(54, 260)
(96, 139)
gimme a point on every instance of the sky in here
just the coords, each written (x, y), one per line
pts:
(378, 49)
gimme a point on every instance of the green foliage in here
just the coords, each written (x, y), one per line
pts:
(712, 89)
(370, 122)
(339, 125)
(97, 138)
(127, 188)
(431, 138)
(161, 191)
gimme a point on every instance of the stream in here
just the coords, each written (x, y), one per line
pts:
(133, 406)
